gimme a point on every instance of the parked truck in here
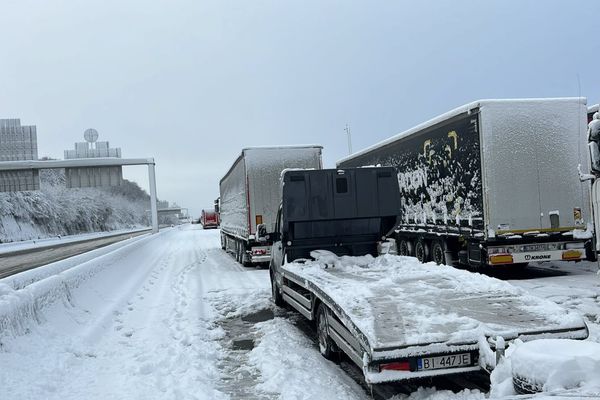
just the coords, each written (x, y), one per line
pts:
(494, 182)
(250, 195)
(394, 317)
(209, 219)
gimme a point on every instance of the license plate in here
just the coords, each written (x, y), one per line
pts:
(449, 361)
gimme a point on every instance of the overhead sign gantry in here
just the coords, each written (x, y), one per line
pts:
(28, 165)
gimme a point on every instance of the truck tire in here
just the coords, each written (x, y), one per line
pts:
(438, 252)
(422, 251)
(241, 250)
(238, 251)
(244, 258)
(326, 345)
(526, 386)
(405, 248)
(275, 291)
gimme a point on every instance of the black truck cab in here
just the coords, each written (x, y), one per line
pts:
(345, 211)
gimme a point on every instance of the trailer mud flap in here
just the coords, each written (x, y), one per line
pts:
(474, 253)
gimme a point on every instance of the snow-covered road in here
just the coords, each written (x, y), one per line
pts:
(172, 316)
(158, 319)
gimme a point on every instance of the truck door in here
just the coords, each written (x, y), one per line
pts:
(596, 210)
(277, 248)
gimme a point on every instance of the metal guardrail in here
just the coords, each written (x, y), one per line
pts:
(25, 259)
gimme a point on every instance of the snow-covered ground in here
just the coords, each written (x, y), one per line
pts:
(152, 320)
(171, 316)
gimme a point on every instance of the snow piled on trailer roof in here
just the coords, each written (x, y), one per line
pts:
(453, 113)
(280, 147)
(397, 301)
(291, 146)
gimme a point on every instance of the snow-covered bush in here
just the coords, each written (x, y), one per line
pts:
(56, 210)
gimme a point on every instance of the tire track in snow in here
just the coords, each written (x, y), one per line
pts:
(159, 346)
(130, 286)
(172, 355)
(229, 292)
(239, 378)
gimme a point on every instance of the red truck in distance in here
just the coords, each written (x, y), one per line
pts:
(209, 219)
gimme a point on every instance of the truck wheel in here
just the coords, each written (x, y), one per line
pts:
(241, 253)
(438, 252)
(405, 248)
(238, 251)
(422, 251)
(275, 291)
(246, 260)
(525, 386)
(326, 345)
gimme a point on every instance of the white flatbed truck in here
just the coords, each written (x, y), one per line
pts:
(393, 316)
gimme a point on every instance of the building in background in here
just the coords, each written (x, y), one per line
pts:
(18, 143)
(97, 176)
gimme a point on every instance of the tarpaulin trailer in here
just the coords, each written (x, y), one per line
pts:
(250, 196)
(494, 182)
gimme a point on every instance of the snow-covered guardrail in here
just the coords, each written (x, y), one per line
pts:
(39, 244)
(23, 296)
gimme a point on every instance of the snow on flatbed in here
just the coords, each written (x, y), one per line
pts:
(397, 302)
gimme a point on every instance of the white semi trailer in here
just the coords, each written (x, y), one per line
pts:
(250, 197)
(494, 182)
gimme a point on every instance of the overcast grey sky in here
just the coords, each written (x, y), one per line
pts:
(191, 82)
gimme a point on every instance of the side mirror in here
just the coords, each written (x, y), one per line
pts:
(594, 156)
(276, 236)
(261, 233)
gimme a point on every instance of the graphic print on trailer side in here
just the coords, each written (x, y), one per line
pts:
(439, 172)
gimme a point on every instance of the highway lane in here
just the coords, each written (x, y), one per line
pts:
(23, 260)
